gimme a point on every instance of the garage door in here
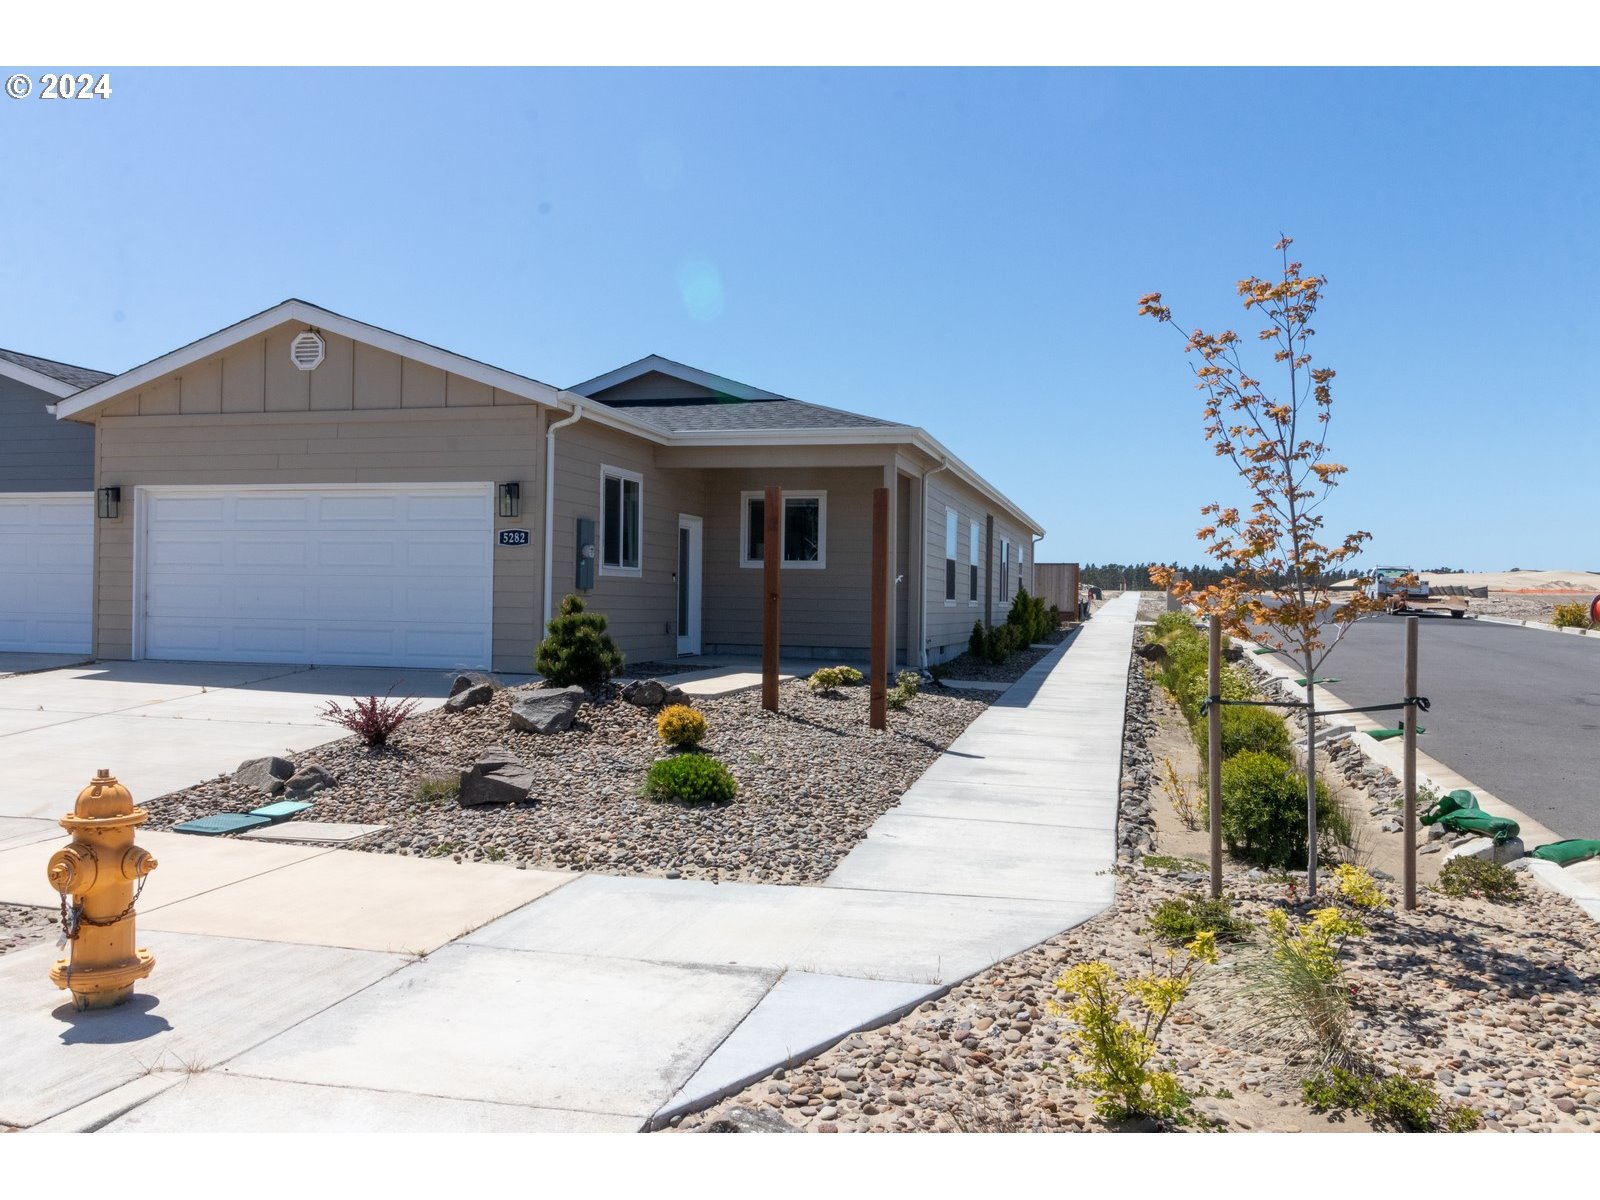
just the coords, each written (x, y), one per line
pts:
(361, 576)
(46, 572)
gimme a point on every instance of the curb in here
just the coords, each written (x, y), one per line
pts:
(1443, 779)
(1544, 625)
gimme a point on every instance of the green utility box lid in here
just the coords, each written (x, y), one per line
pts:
(221, 823)
(282, 810)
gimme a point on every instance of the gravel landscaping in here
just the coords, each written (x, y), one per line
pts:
(813, 778)
(979, 670)
(1491, 1003)
(22, 926)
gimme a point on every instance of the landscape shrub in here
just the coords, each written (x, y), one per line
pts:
(373, 720)
(1409, 1101)
(578, 649)
(1246, 728)
(827, 680)
(1180, 920)
(1572, 616)
(1028, 617)
(1356, 887)
(905, 687)
(1264, 811)
(1054, 617)
(1185, 803)
(1193, 688)
(1293, 988)
(1172, 622)
(1001, 643)
(1113, 1052)
(1478, 877)
(692, 778)
(682, 726)
(978, 641)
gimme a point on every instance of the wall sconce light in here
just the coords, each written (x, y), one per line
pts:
(510, 499)
(108, 503)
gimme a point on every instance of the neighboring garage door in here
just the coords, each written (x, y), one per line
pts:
(46, 572)
(356, 576)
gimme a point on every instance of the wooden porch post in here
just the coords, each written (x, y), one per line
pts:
(878, 707)
(771, 572)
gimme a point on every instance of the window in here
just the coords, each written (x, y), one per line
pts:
(949, 556)
(1005, 568)
(972, 566)
(804, 528)
(621, 518)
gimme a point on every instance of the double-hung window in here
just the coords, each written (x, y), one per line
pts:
(950, 527)
(803, 530)
(621, 521)
(972, 564)
(1005, 568)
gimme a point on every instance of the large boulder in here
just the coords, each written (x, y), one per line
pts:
(548, 710)
(651, 693)
(469, 697)
(496, 778)
(267, 774)
(308, 781)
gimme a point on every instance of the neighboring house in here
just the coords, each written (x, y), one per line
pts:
(46, 508)
(302, 487)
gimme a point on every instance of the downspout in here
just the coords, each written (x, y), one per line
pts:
(550, 511)
(922, 623)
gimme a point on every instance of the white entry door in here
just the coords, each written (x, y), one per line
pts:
(689, 583)
(362, 575)
(46, 571)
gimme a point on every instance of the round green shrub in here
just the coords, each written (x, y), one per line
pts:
(1247, 729)
(692, 778)
(1264, 811)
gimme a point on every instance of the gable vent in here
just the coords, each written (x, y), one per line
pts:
(307, 350)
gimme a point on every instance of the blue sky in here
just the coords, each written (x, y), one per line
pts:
(959, 249)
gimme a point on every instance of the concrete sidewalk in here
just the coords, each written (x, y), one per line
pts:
(321, 990)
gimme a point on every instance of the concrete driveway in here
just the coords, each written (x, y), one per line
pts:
(161, 726)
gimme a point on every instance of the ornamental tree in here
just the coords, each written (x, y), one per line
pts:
(1277, 559)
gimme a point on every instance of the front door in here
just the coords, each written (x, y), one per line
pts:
(689, 529)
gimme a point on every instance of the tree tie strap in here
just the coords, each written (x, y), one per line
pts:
(1421, 702)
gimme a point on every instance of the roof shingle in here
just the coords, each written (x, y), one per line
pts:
(78, 377)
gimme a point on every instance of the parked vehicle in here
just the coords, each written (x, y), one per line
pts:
(1401, 590)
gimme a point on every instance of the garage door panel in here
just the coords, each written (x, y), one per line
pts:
(172, 511)
(381, 576)
(46, 572)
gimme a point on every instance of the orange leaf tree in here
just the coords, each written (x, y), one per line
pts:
(1274, 552)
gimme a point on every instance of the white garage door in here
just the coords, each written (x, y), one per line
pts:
(46, 572)
(358, 576)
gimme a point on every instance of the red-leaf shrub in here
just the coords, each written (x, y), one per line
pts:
(372, 719)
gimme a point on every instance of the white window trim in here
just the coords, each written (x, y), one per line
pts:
(972, 561)
(951, 522)
(600, 526)
(821, 497)
(1005, 570)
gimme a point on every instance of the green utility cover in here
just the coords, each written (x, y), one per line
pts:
(1264, 650)
(282, 810)
(1573, 850)
(221, 823)
(1383, 735)
(1302, 682)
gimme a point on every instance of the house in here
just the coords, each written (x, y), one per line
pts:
(303, 487)
(46, 508)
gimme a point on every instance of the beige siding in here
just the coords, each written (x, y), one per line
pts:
(950, 624)
(825, 612)
(640, 610)
(327, 445)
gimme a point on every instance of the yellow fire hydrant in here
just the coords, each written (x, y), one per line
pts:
(99, 876)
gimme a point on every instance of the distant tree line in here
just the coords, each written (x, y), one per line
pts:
(1136, 576)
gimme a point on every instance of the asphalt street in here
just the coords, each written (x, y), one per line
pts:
(1515, 710)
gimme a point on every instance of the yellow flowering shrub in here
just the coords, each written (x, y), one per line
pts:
(680, 725)
(1115, 1048)
(1357, 888)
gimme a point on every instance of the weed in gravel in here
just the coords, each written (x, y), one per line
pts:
(444, 849)
(1166, 862)
(1180, 919)
(1478, 877)
(1406, 1101)
(494, 854)
(437, 789)
(1184, 802)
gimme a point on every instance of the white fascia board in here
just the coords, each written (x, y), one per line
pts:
(33, 379)
(291, 311)
(665, 366)
(602, 414)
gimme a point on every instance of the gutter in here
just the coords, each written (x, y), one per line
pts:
(550, 509)
(922, 624)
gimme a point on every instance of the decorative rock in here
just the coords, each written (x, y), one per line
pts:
(651, 693)
(461, 684)
(546, 711)
(268, 774)
(741, 1118)
(496, 778)
(469, 697)
(308, 781)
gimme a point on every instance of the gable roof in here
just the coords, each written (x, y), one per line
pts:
(55, 378)
(717, 411)
(299, 311)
